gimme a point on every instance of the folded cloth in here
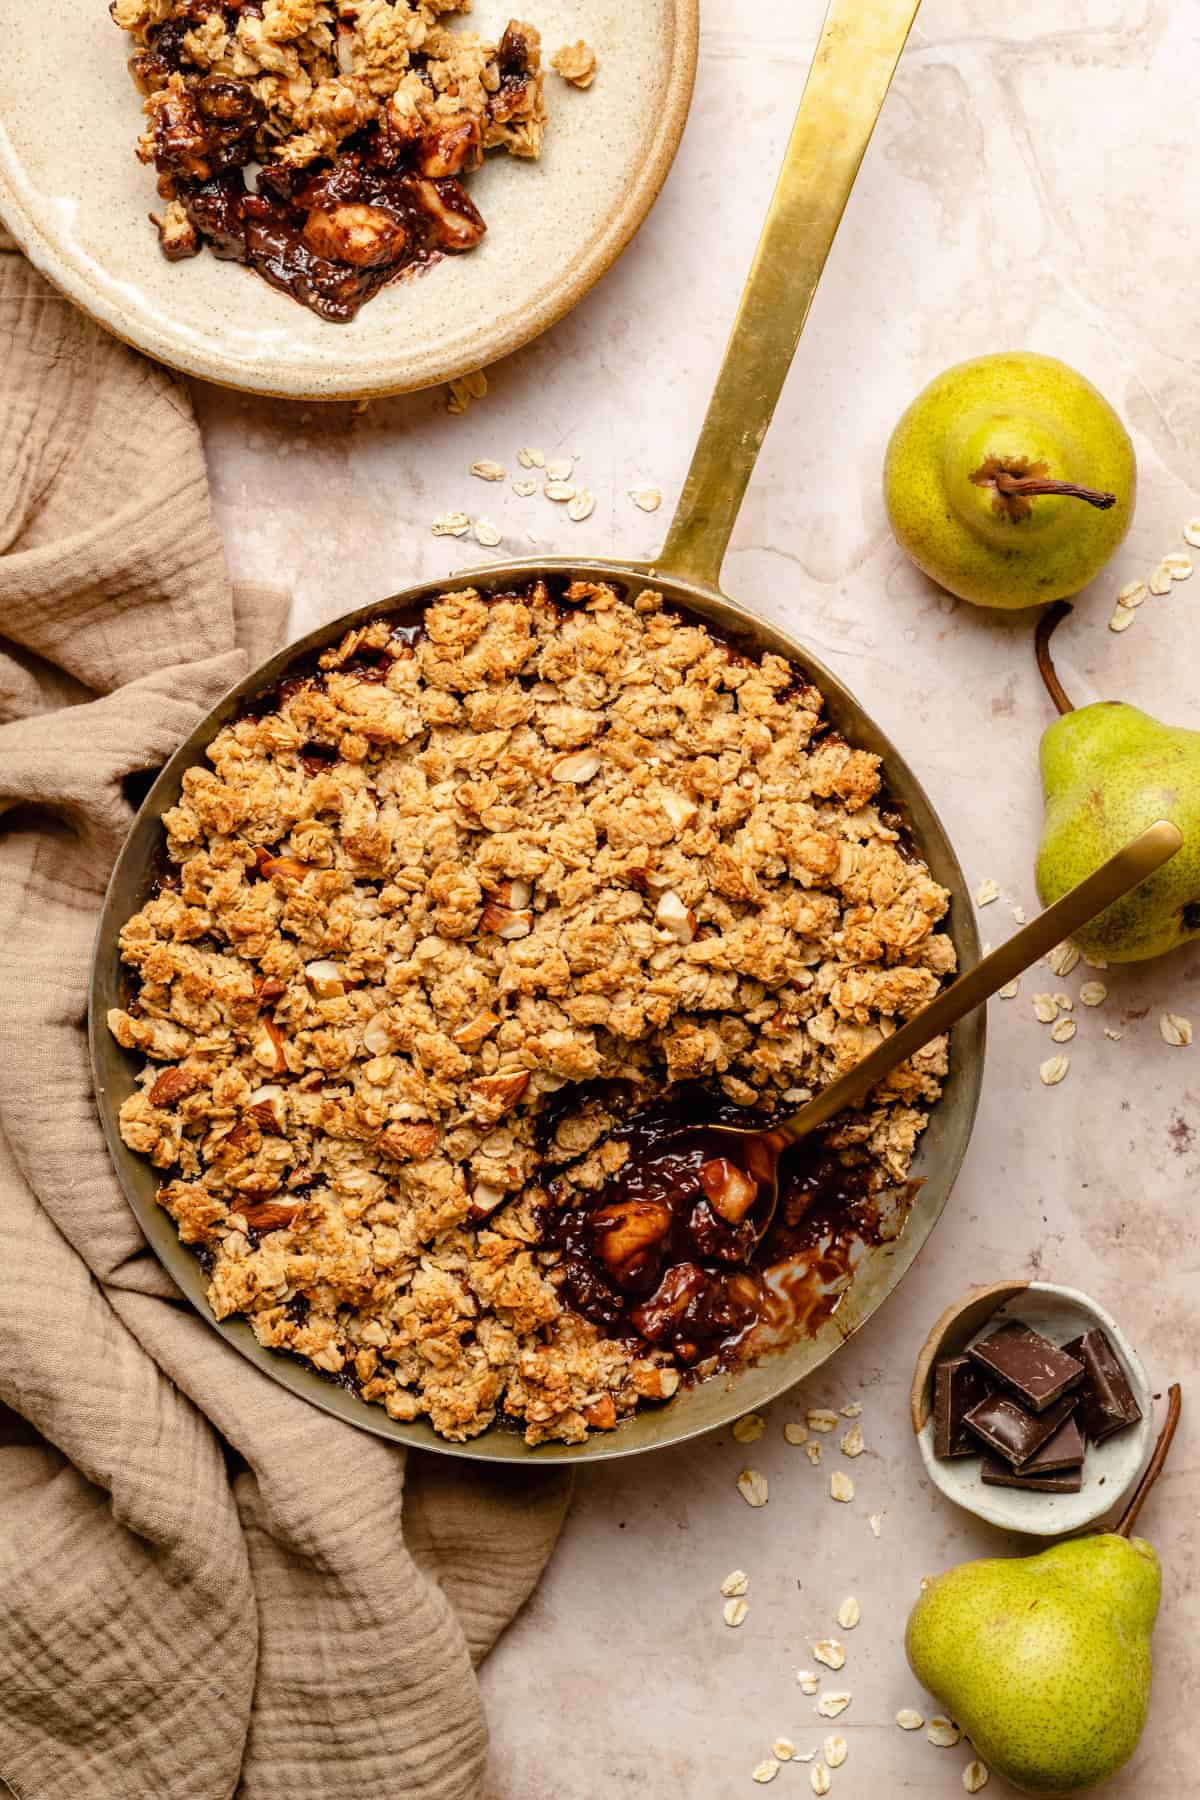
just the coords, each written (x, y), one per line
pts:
(207, 1587)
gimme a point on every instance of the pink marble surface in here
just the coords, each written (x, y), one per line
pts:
(1032, 183)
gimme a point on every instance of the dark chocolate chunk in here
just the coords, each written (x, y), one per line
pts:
(1106, 1398)
(1015, 1434)
(1033, 1368)
(958, 1385)
(1062, 1481)
(1063, 1451)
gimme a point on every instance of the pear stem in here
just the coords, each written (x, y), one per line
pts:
(1154, 1467)
(1047, 625)
(1037, 484)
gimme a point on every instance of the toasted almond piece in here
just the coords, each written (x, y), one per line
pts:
(765, 1771)
(852, 1441)
(1063, 958)
(840, 1486)
(832, 1706)
(649, 499)
(784, 1749)
(672, 916)
(1174, 1029)
(268, 1108)
(820, 1779)
(266, 1215)
(377, 1034)
(752, 1486)
(944, 1733)
(506, 921)
(836, 1751)
(1123, 616)
(267, 1049)
(1160, 580)
(735, 1584)
(909, 1719)
(409, 1139)
(809, 1680)
(485, 1199)
(582, 506)
(174, 1085)
(579, 766)
(1063, 1030)
(975, 1776)
(749, 1428)
(325, 979)
(794, 1432)
(681, 809)
(1093, 993)
(734, 1611)
(559, 490)
(531, 458)
(1045, 1008)
(829, 1652)
(489, 471)
(1053, 1070)
(451, 524)
(475, 1031)
(494, 1095)
(820, 1418)
(849, 1613)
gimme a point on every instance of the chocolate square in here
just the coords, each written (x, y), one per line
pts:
(1012, 1432)
(1063, 1451)
(998, 1474)
(958, 1385)
(1106, 1398)
(1028, 1364)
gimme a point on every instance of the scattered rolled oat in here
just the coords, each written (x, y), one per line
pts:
(582, 506)
(1095, 962)
(560, 469)
(908, 1719)
(829, 1652)
(531, 459)
(1160, 581)
(784, 1749)
(819, 1418)
(794, 1432)
(1175, 1030)
(1045, 1008)
(451, 524)
(820, 1778)
(486, 533)
(852, 1441)
(648, 498)
(1062, 959)
(1010, 990)
(944, 1733)
(749, 1428)
(1115, 1035)
(813, 1451)
(831, 1706)
(752, 1486)
(1124, 616)
(1191, 532)
(1132, 594)
(766, 1771)
(840, 1486)
(576, 63)
(1054, 1070)
(736, 1582)
(559, 490)
(489, 471)
(927, 1581)
(1093, 993)
(975, 1776)
(464, 389)
(734, 1611)
(853, 1411)
(1178, 566)
(849, 1613)
(1063, 1030)
(809, 1680)
(836, 1751)
(986, 892)
(804, 1756)
(876, 1523)
(1065, 1001)
(525, 489)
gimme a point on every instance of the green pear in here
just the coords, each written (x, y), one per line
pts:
(1044, 1660)
(1108, 771)
(983, 480)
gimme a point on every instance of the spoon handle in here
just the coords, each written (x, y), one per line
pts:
(1126, 870)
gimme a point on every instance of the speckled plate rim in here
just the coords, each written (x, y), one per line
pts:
(696, 1410)
(410, 371)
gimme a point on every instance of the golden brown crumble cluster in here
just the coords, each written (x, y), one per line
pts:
(429, 889)
(363, 115)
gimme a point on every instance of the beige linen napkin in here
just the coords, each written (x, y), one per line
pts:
(206, 1586)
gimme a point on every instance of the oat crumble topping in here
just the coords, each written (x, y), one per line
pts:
(430, 909)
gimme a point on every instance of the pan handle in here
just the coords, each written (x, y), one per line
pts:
(855, 59)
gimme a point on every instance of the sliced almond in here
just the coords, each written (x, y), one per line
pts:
(579, 766)
(268, 1108)
(672, 916)
(325, 979)
(377, 1034)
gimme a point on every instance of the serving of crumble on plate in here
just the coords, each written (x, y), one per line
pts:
(444, 910)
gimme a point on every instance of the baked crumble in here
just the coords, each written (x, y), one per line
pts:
(354, 119)
(437, 916)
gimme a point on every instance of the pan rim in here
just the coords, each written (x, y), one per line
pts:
(967, 1046)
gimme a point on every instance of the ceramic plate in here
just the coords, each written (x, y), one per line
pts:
(75, 197)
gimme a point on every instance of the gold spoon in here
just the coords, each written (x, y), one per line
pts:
(751, 1155)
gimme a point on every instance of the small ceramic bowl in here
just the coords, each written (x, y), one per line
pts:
(1109, 1469)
